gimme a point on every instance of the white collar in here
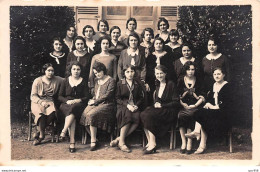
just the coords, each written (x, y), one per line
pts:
(131, 53)
(74, 84)
(183, 60)
(210, 57)
(175, 46)
(217, 87)
(159, 55)
(54, 56)
(91, 45)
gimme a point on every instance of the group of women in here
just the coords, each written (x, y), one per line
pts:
(130, 80)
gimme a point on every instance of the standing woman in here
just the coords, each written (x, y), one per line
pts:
(173, 47)
(158, 57)
(81, 55)
(163, 26)
(212, 119)
(116, 45)
(109, 60)
(57, 57)
(131, 26)
(43, 99)
(191, 97)
(68, 40)
(212, 60)
(159, 118)
(100, 112)
(146, 47)
(187, 56)
(129, 97)
(88, 31)
(73, 96)
(102, 28)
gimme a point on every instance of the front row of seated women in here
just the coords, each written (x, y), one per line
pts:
(182, 103)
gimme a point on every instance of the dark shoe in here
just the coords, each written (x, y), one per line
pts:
(144, 148)
(188, 152)
(124, 148)
(182, 151)
(150, 151)
(37, 141)
(114, 143)
(62, 136)
(93, 148)
(72, 150)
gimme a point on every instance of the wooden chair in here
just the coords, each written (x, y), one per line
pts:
(33, 125)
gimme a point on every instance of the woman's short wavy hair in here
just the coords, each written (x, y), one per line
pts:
(126, 67)
(104, 21)
(131, 19)
(45, 67)
(98, 66)
(78, 38)
(134, 35)
(88, 26)
(162, 41)
(162, 19)
(69, 67)
(113, 28)
(174, 32)
(148, 29)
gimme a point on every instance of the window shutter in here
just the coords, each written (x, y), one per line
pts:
(169, 11)
(88, 10)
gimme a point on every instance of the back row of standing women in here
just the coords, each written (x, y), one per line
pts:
(102, 59)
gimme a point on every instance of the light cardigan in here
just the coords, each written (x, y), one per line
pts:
(37, 88)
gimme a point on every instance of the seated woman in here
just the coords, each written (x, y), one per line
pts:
(129, 97)
(212, 119)
(100, 112)
(191, 97)
(43, 96)
(73, 96)
(57, 57)
(159, 118)
(109, 60)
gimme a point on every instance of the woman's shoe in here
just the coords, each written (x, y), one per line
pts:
(37, 141)
(182, 151)
(72, 150)
(36, 135)
(114, 143)
(93, 148)
(62, 136)
(188, 152)
(193, 135)
(200, 150)
(153, 150)
(124, 148)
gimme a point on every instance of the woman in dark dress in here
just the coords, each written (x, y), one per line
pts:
(146, 47)
(57, 57)
(81, 55)
(213, 119)
(73, 96)
(100, 112)
(129, 97)
(187, 56)
(44, 95)
(159, 118)
(191, 94)
(158, 57)
(173, 47)
(212, 60)
(163, 26)
(116, 45)
(68, 40)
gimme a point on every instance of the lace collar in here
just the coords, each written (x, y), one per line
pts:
(159, 55)
(183, 60)
(210, 57)
(75, 83)
(91, 45)
(131, 53)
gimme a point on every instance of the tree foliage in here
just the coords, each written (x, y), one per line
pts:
(31, 30)
(233, 26)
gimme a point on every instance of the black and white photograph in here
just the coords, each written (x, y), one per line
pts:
(110, 80)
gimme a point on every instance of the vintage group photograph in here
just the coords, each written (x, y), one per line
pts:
(131, 82)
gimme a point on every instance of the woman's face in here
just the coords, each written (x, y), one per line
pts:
(129, 74)
(158, 45)
(89, 33)
(147, 36)
(75, 71)
(131, 26)
(212, 47)
(99, 75)
(102, 27)
(104, 44)
(71, 32)
(133, 42)
(160, 75)
(218, 75)
(49, 72)
(191, 71)
(173, 38)
(79, 44)
(57, 46)
(186, 52)
(115, 34)
(163, 26)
